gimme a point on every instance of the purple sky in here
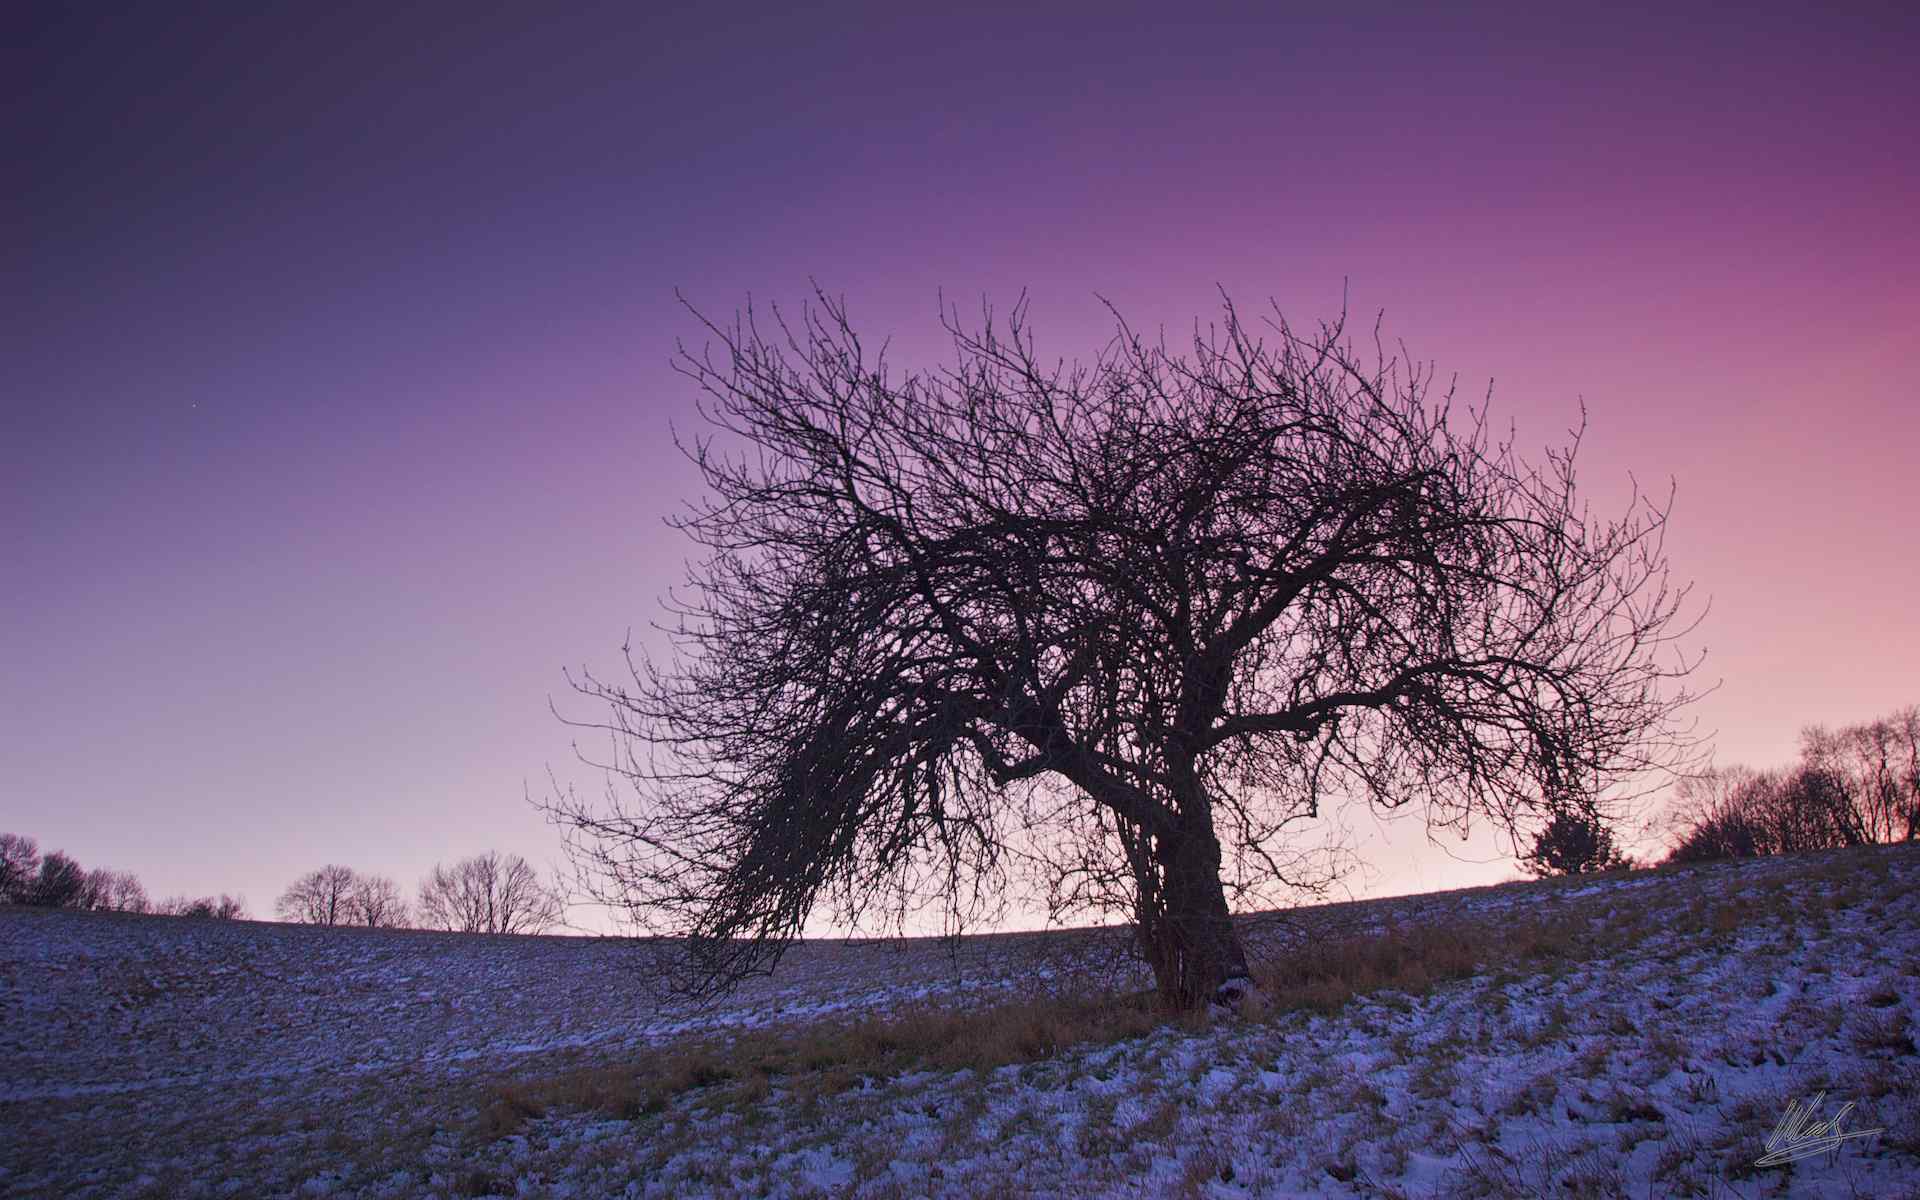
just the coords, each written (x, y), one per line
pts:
(335, 383)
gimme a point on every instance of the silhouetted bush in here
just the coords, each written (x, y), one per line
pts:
(1723, 835)
(1573, 843)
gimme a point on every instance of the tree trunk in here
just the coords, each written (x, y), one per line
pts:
(1185, 930)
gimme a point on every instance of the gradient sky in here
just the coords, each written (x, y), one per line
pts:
(335, 384)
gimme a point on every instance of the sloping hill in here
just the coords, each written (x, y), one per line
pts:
(1640, 1034)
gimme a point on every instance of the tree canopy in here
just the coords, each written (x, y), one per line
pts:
(1111, 633)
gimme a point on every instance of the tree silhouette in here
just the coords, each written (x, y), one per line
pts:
(19, 866)
(118, 891)
(1111, 631)
(61, 883)
(489, 893)
(375, 901)
(1876, 767)
(321, 897)
(1573, 843)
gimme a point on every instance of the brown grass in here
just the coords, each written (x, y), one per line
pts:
(1882, 1029)
(828, 1057)
(1322, 977)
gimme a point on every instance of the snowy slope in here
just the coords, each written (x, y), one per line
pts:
(157, 1057)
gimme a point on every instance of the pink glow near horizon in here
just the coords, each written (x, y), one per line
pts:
(338, 420)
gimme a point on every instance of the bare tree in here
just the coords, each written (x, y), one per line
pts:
(322, 897)
(19, 867)
(1877, 767)
(375, 900)
(129, 894)
(117, 891)
(61, 883)
(1115, 630)
(489, 893)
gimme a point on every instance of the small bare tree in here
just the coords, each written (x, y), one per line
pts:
(322, 897)
(129, 894)
(19, 866)
(1877, 767)
(375, 901)
(489, 893)
(118, 891)
(1117, 629)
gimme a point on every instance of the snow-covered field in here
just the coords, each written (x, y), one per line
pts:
(1639, 1035)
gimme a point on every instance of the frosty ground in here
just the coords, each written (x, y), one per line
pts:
(1641, 1034)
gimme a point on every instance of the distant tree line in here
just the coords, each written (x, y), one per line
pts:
(1852, 787)
(1855, 786)
(57, 880)
(488, 893)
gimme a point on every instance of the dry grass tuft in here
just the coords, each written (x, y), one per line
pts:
(1322, 977)
(1887, 1029)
